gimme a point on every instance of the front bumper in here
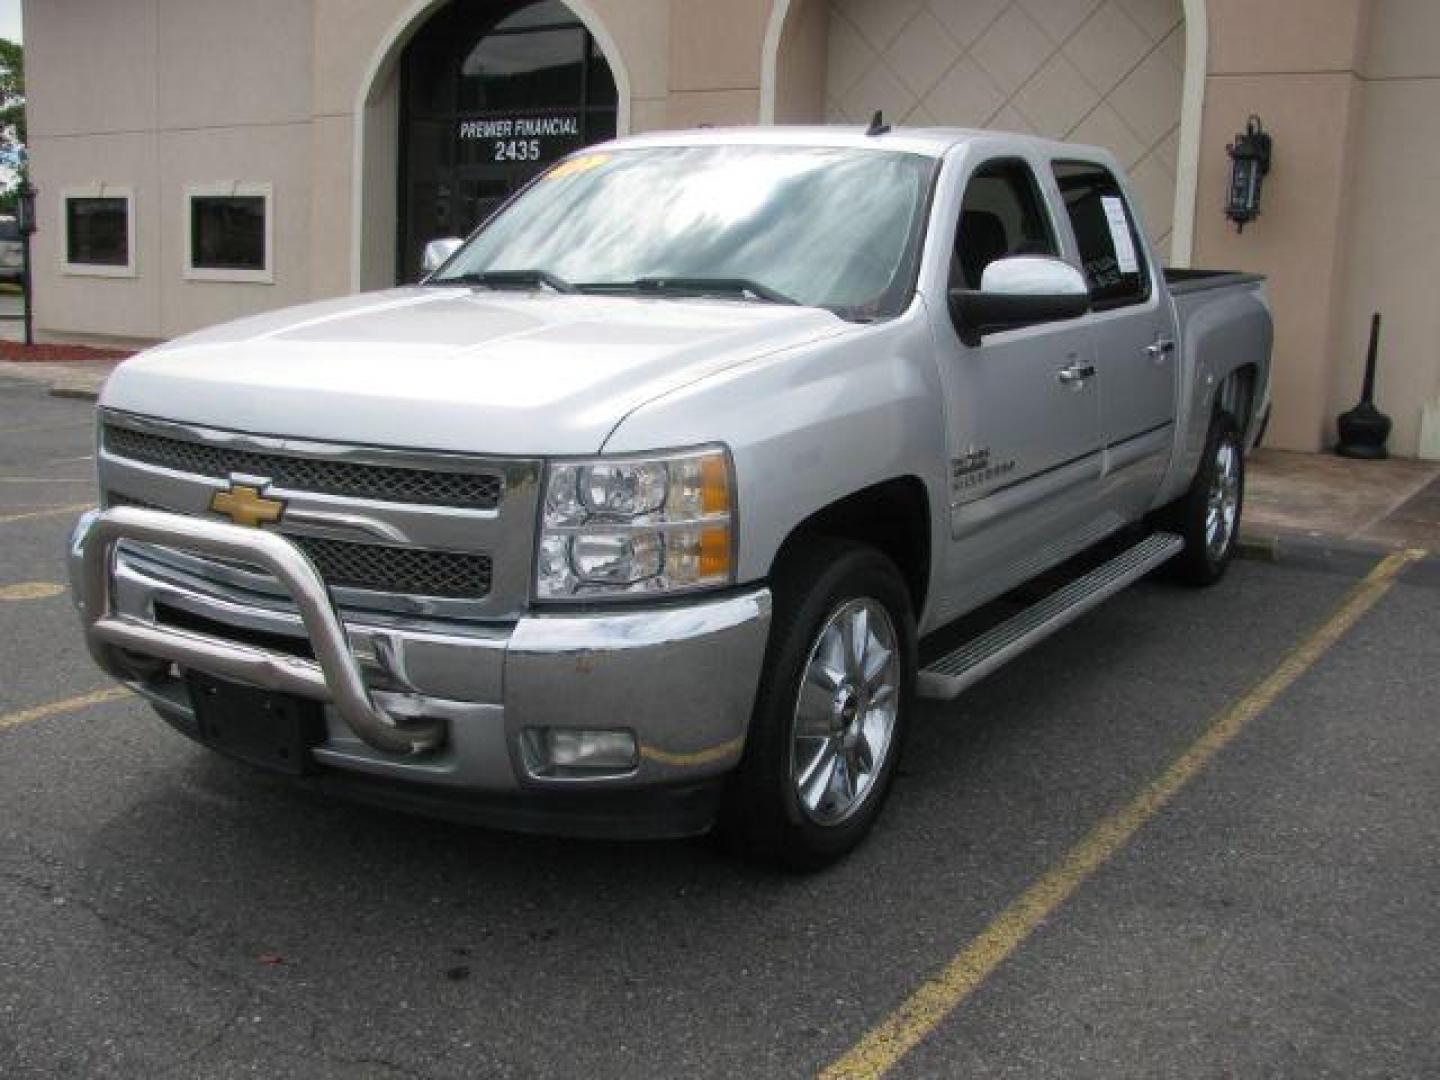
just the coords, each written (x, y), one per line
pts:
(434, 713)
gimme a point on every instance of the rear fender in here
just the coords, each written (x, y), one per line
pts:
(1225, 340)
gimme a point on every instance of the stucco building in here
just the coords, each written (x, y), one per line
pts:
(199, 160)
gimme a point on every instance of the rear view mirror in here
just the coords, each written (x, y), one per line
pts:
(436, 252)
(1021, 290)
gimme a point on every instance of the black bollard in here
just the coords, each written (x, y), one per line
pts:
(1364, 429)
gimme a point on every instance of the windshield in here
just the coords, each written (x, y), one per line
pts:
(824, 227)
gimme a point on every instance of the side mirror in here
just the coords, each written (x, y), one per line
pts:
(1021, 290)
(436, 252)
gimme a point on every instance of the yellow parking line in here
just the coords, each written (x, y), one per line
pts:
(57, 708)
(31, 590)
(886, 1044)
(45, 511)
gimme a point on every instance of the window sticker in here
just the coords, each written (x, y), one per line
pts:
(1119, 221)
(576, 165)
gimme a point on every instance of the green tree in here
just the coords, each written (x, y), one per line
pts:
(12, 116)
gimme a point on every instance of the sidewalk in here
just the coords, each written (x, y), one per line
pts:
(1290, 498)
(1320, 498)
(81, 379)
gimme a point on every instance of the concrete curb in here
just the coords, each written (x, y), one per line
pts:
(82, 393)
(1320, 551)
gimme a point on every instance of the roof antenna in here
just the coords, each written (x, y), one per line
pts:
(877, 125)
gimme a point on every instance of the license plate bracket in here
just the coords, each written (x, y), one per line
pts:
(269, 730)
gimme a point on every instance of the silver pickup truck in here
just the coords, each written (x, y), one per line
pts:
(637, 516)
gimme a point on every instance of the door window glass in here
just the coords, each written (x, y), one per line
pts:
(492, 94)
(524, 70)
(1002, 214)
(1111, 250)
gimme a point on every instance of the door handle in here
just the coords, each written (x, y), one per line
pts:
(1161, 347)
(1076, 374)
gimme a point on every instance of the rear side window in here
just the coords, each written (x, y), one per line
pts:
(1111, 252)
(1002, 214)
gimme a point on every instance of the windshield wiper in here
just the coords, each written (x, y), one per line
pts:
(695, 286)
(509, 279)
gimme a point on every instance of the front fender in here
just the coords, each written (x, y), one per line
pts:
(811, 425)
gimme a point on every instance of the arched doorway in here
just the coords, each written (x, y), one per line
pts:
(491, 93)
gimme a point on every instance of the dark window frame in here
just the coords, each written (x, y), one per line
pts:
(1146, 272)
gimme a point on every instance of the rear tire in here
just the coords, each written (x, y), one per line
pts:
(835, 695)
(1207, 517)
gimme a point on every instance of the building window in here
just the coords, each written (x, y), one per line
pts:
(228, 233)
(99, 230)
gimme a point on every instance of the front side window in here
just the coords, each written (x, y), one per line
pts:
(1002, 214)
(98, 233)
(228, 235)
(827, 227)
(1105, 230)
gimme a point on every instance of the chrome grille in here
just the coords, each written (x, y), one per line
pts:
(344, 564)
(414, 571)
(385, 483)
(377, 553)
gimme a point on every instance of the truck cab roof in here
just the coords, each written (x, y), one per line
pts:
(928, 141)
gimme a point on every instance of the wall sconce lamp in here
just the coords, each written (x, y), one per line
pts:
(1249, 163)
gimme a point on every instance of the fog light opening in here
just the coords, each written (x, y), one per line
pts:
(578, 752)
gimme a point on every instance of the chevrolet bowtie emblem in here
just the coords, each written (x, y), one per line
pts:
(244, 505)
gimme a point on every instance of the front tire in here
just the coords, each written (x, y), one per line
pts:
(835, 696)
(1207, 517)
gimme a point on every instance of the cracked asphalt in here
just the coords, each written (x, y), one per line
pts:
(164, 912)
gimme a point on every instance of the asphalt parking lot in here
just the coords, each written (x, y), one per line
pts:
(1070, 880)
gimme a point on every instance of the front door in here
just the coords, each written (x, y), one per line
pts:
(491, 95)
(1025, 446)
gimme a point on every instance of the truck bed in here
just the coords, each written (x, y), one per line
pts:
(1181, 281)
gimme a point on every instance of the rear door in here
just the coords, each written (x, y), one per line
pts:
(1024, 443)
(1132, 327)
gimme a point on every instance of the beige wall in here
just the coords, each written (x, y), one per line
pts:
(1107, 72)
(1294, 63)
(194, 91)
(800, 80)
(1350, 91)
(1392, 263)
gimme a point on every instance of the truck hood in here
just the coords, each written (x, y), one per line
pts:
(459, 369)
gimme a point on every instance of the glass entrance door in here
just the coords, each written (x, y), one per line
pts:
(491, 95)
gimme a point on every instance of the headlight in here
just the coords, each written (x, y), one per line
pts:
(628, 526)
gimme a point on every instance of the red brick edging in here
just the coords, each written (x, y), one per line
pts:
(15, 352)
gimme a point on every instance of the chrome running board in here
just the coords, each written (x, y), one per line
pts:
(945, 678)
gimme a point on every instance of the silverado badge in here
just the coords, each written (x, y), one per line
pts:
(244, 505)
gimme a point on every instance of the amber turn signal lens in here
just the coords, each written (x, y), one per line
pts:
(714, 485)
(714, 553)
